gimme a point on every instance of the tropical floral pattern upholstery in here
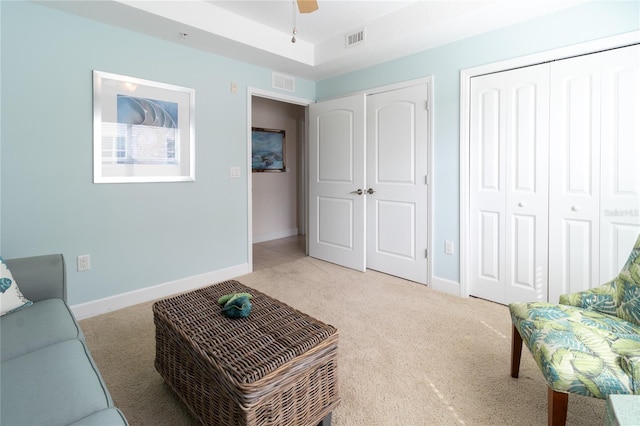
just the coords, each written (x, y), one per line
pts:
(589, 344)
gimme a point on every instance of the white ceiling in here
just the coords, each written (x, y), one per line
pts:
(260, 32)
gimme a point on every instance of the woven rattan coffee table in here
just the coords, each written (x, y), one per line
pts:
(276, 367)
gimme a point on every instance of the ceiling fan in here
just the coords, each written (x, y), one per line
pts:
(304, 6)
(307, 6)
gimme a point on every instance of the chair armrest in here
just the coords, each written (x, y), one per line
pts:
(603, 298)
(40, 277)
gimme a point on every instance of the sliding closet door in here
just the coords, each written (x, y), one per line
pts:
(508, 185)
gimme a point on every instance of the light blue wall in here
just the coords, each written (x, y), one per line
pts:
(138, 235)
(586, 22)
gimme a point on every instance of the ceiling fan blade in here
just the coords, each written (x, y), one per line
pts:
(307, 6)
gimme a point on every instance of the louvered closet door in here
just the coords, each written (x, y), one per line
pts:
(594, 202)
(508, 185)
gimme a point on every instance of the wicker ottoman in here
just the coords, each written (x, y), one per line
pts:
(276, 367)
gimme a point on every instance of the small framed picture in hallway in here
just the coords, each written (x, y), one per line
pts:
(268, 148)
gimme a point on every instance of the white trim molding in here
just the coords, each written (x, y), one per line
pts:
(261, 238)
(125, 300)
(594, 46)
(445, 286)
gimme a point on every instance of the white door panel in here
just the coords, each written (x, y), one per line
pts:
(336, 170)
(527, 185)
(509, 187)
(574, 234)
(396, 228)
(385, 228)
(397, 165)
(593, 207)
(620, 180)
(336, 227)
(487, 183)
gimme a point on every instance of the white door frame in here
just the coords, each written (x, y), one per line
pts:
(465, 108)
(251, 92)
(401, 85)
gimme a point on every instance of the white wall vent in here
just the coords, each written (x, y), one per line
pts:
(283, 82)
(354, 38)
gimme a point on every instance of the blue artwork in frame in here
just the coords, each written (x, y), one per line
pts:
(150, 131)
(267, 151)
(143, 130)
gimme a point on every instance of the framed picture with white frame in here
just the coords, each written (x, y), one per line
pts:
(143, 131)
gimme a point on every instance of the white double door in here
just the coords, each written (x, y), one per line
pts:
(368, 193)
(554, 187)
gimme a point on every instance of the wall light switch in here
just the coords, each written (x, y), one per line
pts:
(234, 87)
(234, 171)
(448, 247)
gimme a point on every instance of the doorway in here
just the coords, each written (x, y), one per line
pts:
(276, 200)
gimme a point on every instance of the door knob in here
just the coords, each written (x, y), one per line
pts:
(359, 192)
(370, 191)
(575, 208)
(522, 204)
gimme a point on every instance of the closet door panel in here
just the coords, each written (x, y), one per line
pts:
(527, 196)
(509, 186)
(487, 185)
(620, 180)
(574, 175)
(570, 273)
(489, 248)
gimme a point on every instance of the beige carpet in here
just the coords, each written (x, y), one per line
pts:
(408, 355)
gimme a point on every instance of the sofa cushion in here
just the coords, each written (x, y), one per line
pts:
(56, 385)
(45, 323)
(10, 297)
(110, 416)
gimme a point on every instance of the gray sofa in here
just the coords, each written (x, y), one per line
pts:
(47, 375)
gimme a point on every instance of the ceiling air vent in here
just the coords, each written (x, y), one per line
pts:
(354, 38)
(284, 82)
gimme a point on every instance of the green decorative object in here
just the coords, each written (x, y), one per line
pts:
(236, 305)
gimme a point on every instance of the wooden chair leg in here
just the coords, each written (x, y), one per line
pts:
(516, 351)
(557, 414)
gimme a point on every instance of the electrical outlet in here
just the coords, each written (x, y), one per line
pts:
(84, 263)
(448, 247)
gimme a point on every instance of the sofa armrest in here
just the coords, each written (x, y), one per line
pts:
(603, 298)
(40, 277)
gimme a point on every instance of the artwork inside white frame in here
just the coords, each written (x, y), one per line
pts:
(143, 131)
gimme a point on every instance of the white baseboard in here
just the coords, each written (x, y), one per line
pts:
(124, 300)
(446, 286)
(275, 235)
